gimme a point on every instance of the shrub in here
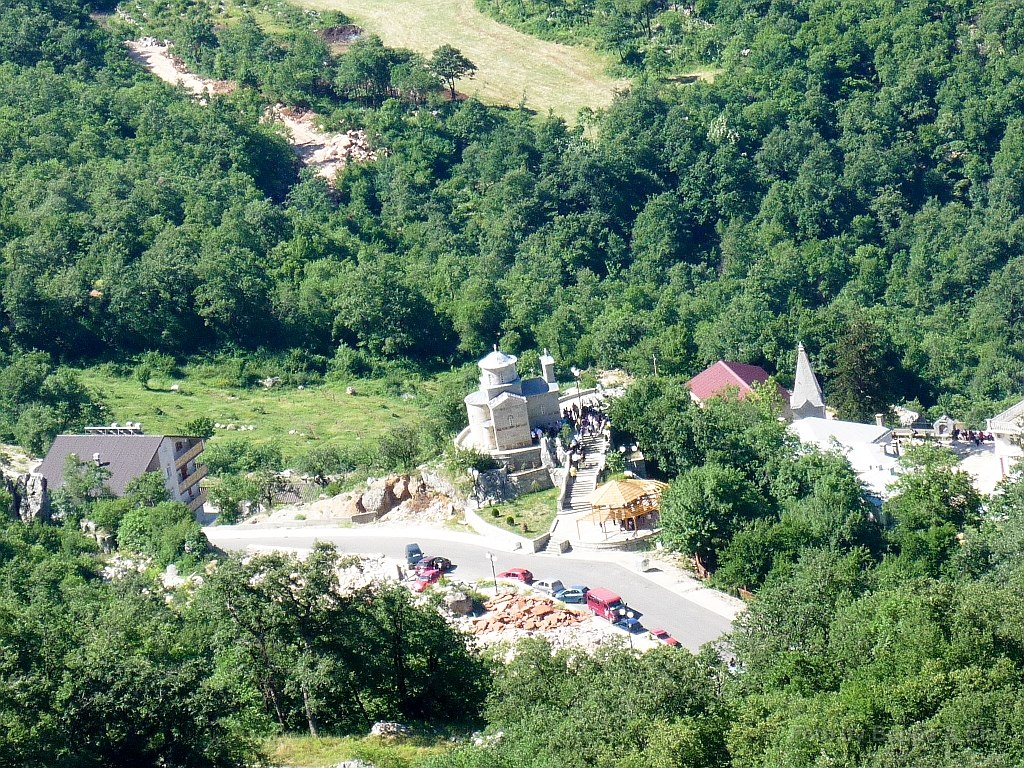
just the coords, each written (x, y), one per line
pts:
(510, 520)
(167, 532)
(147, 490)
(36, 427)
(114, 370)
(160, 364)
(565, 434)
(462, 459)
(327, 460)
(228, 372)
(225, 457)
(143, 373)
(399, 448)
(615, 462)
(201, 427)
(348, 363)
(229, 494)
(302, 361)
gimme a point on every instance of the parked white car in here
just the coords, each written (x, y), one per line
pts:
(548, 587)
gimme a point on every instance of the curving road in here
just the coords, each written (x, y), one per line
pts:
(690, 623)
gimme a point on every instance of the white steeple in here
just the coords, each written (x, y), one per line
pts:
(807, 398)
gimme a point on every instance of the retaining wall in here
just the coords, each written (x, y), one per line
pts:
(523, 481)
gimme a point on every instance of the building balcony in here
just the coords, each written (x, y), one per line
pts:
(192, 479)
(198, 501)
(188, 455)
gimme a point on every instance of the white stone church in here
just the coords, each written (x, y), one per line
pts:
(506, 409)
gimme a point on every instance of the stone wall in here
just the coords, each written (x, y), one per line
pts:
(523, 482)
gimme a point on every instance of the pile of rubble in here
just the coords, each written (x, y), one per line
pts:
(422, 508)
(395, 499)
(511, 612)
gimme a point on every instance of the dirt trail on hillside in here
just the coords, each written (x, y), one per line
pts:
(157, 58)
(327, 152)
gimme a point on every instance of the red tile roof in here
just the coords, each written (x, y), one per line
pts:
(723, 376)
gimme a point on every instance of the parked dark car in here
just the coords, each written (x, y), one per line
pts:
(413, 554)
(630, 622)
(576, 594)
(517, 574)
(442, 564)
(609, 606)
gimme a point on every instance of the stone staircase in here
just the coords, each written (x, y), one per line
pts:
(553, 547)
(576, 505)
(586, 476)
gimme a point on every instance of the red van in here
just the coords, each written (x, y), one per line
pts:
(605, 603)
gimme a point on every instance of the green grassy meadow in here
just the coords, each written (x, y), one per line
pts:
(326, 751)
(512, 65)
(323, 412)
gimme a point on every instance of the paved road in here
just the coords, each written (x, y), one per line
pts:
(689, 623)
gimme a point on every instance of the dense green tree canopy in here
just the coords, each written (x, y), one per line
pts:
(848, 181)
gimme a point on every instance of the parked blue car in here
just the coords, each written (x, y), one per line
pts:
(577, 594)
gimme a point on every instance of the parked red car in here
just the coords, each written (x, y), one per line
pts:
(517, 574)
(425, 578)
(665, 637)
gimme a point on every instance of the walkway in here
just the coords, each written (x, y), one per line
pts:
(576, 507)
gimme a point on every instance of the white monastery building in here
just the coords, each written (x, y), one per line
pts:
(1007, 430)
(868, 447)
(807, 399)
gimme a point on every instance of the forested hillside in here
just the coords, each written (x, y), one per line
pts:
(850, 179)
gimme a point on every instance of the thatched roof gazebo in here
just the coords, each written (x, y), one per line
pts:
(624, 500)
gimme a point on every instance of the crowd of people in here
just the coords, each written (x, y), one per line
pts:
(970, 436)
(587, 420)
(539, 432)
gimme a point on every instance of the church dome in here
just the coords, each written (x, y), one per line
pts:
(497, 360)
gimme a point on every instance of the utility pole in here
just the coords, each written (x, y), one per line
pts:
(655, 364)
(490, 556)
